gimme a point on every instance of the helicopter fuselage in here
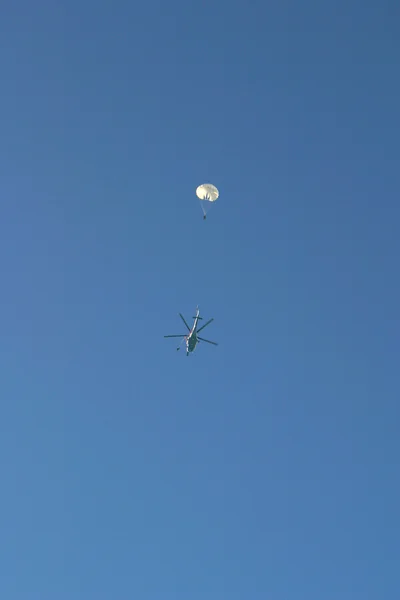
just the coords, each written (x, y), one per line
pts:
(191, 340)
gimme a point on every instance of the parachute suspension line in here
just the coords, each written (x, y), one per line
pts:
(183, 340)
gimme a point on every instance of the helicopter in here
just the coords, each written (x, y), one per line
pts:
(192, 338)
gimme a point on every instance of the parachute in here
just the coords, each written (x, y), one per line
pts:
(206, 193)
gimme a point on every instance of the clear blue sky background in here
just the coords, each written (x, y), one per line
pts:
(265, 468)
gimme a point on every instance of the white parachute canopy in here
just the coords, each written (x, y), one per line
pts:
(207, 193)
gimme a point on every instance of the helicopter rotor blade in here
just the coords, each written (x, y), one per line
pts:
(180, 335)
(205, 325)
(208, 341)
(183, 319)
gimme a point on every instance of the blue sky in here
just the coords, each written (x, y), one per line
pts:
(267, 467)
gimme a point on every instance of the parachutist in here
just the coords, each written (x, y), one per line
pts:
(204, 218)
